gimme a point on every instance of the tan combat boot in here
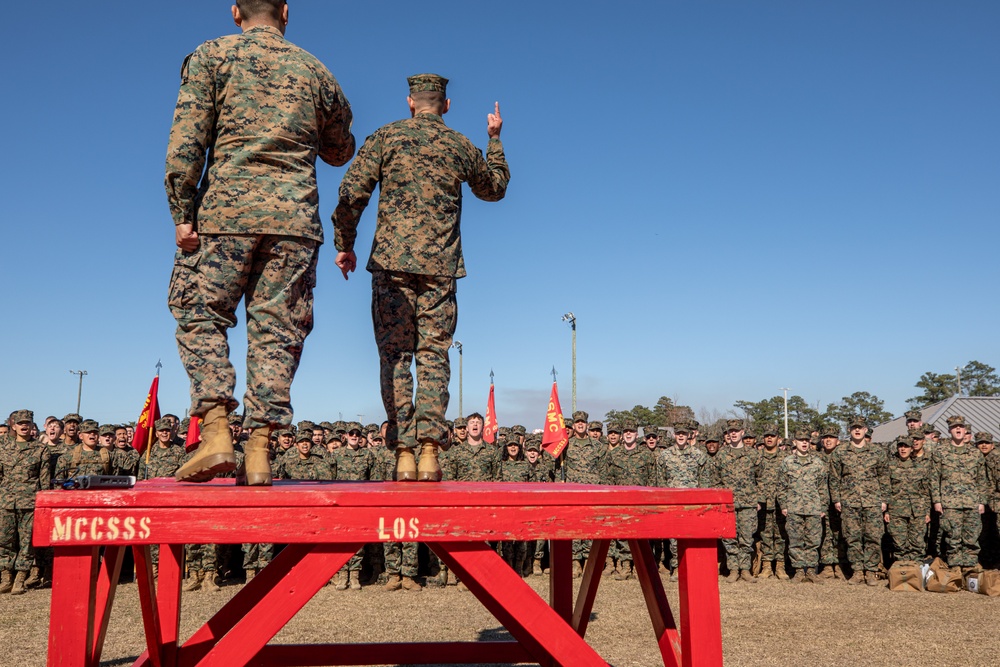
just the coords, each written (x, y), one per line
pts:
(462, 586)
(779, 570)
(6, 582)
(208, 582)
(624, 570)
(871, 578)
(411, 584)
(18, 587)
(342, 580)
(215, 453)
(256, 468)
(609, 567)
(766, 570)
(193, 582)
(838, 573)
(428, 469)
(826, 572)
(814, 577)
(406, 464)
(747, 576)
(536, 567)
(34, 578)
(799, 577)
(354, 580)
(394, 584)
(734, 574)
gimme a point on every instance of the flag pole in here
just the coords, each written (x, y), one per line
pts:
(149, 431)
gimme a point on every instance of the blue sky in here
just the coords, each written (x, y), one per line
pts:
(732, 197)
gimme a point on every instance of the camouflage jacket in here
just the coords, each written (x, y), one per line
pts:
(623, 467)
(513, 471)
(124, 461)
(685, 468)
(858, 475)
(385, 464)
(768, 476)
(909, 488)
(24, 470)
(258, 110)
(958, 477)
(544, 469)
(419, 165)
(736, 469)
(313, 466)
(78, 462)
(163, 461)
(582, 461)
(354, 465)
(993, 479)
(803, 485)
(467, 463)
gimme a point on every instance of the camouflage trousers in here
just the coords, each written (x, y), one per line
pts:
(275, 275)
(619, 550)
(257, 556)
(201, 557)
(16, 552)
(771, 523)
(540, 546)
(830, 547)
(739, 551)
(414, 316)
(907, 534)
(804, 535)
(515, 554)
(863, 528)
(401, 558)
(960, 530)
(581, 549)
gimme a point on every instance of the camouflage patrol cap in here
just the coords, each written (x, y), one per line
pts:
(304, 435)
(802, 434)
(734, 425)
(434, 83)
(461, 422)
(956, 420)
(90, 426)
(532, 445)
(107, 429)
(918, 434)
(160, 425)
(912, 415)
(829, 431)
(614, 427)
(517, 428)
(629, 425)
(340, 426)
(694, 424)
(72, 417)
(904, 441)
(581, 416)
(595, 426)
(983, 436)
(326, 425)
(858, 420)
(22, 416)
(681, 427)
(305, 425)
(769, 429)
(711, 437)
(353, 426)
(372, 428)
(929, 428)
(335, 436)
(568, 422)
(650, 432)
(503, 430)
(235, 419)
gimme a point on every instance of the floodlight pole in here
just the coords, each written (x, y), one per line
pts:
(785, 389)
(458, 346)
(79, 390)
(571, 318)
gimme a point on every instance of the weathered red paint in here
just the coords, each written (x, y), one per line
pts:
(332, 520)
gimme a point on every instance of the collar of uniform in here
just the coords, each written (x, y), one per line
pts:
(264, 28)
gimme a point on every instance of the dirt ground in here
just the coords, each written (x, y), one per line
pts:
(770, 623)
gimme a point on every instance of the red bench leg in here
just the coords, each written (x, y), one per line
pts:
(107, 585)
(561, 577)
(588, 586)
(701, 619)
(71, 615)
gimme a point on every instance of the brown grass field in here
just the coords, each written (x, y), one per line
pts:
(770, 623)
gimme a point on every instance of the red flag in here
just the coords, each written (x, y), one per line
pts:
(145, 426)
(554, 437)
(490, 428)
(193, 435)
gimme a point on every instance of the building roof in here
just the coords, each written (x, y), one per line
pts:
(982, 413)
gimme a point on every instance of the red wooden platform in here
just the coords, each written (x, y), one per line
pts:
(325, 523)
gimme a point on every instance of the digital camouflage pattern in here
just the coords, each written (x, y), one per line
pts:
(804, 491)
(312, 467)
(470, 463)
(414, 315)
(419, 165)
(736, 469)
(401, 558)
(259, 110)
(629, 467)
(124, 461)
(80, 461)
(582, 461)
(24, 470)
(278, 273)
(858, 475)
(354, 465)
(958, 482)
(770, 520)
(678, 468)
(831, 550)
(511, 470)
(909, 504)
(163, 461)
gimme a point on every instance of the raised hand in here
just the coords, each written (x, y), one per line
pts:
(494, 122)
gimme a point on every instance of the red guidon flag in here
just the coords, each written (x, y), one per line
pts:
(193, 435)
(490, 426)
(554, 438)
(144, 426)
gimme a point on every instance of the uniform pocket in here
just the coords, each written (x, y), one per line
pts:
(183, 280)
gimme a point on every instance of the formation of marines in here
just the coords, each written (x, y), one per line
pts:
(809, 510)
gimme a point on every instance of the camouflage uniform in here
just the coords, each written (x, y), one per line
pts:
(163, 461)
(736, 469)
(124, 461)
(830, 548)
(958, 482)
(680, 468)
(354, 465)
(80, 461)
(770, 520)
(312, 467)
(24, 471)
(419, 165)
(909, 504)
(261, 110)
(804, 494)
(581, 463)
(468, 463)
(858, 481)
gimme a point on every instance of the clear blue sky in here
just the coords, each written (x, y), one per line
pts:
(731, 196)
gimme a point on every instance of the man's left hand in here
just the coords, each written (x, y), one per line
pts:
(187, 238)
(346, 262)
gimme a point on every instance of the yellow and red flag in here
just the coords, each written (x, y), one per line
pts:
(145, 425)
(193, 435)
(554, 437)
(490, 427)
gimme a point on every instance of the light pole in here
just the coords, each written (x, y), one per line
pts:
(571, 318)
(458, 346)
(958, 375)
(785, 389)
(79, 390)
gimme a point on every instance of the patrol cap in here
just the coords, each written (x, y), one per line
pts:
(305, 426)
(956, 420)
(581, 416)
(107, 429)
(769, 429)
(694, 424)
(284, 430)
(235, 420)
(335, 436)
(372, 428)
(734, 425)
(983, 436)
(532, 445)
(568, 423)
(595, 426)
(912, 415)
(185, 423)
(340, 426)
(326, 426)
(22, 416)
(353, 426)
(461, 422)
(904, 441)
(71, 417)
(830, 431)
(304, 435)
(802, 434)
(650, 432)
(681, 427)
(90, 426)
(629, 425)
(711, 437)
(929, 428)
(614, 427)
(918, 434)
(858, 420)
(434, 83)
(160, 425)
(517, 428)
